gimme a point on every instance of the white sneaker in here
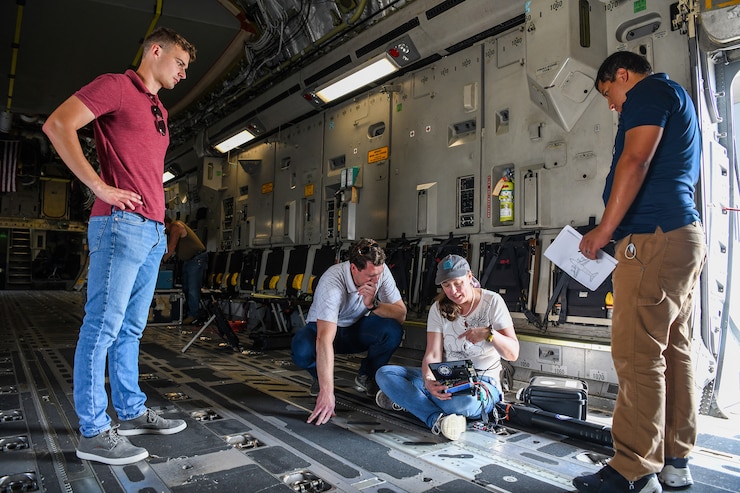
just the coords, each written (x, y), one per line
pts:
(451, 426)
(676, 477)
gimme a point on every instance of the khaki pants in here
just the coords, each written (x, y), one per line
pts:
(651, 348)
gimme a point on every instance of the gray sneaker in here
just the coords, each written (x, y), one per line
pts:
(110, 448)
(385, 402)
(151, 423)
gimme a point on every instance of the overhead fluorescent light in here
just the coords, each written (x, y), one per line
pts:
(167, 176)
(234, 141)
(171, 172)
(367, 73)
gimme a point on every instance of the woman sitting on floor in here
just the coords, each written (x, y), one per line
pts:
(465, 322)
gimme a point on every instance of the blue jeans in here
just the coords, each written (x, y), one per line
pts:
(379, 336)
(405, 386)
(125, 252)
(193, 271)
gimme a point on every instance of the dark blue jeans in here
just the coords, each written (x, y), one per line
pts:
(377, 335)
(193, 271)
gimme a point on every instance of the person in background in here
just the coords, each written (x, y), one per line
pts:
(126, 239)
(183, 242)
(357, 307)
(465, 322)
(661, 249)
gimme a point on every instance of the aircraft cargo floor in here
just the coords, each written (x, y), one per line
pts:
(247, 431)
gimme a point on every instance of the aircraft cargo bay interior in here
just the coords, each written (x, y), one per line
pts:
(369, 246)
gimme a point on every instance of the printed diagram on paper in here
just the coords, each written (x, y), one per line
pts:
(564, 253)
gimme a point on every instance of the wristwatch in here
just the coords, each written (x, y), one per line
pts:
(490, 336)
(375, 305)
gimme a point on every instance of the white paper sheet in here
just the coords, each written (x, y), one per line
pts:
(564, 253)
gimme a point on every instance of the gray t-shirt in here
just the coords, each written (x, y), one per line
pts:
(336, 298)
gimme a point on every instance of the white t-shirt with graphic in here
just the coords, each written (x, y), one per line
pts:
(491, 311)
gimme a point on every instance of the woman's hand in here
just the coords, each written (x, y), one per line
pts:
(476, 334)
(437, 389)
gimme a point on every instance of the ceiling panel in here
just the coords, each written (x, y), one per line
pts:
(66, 43)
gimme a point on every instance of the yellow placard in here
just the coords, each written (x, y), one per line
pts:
(376, 155)
(267, 187)
(713, 4)
(308, 190)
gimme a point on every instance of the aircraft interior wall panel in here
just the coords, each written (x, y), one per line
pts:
(436, 148)
(357, 150)
(659, 44)
(715, 155)
(255, 177)
(463, 20)
(21, 203)
(599, 366)
(717, 222)
(560, 75)
(576, 185)
(566, 360)
(570, 165)
(298, 152)
(210, 200)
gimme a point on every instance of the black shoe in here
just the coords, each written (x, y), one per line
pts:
(372, 388)
(608, 480)
(590, 483)
(361, 382)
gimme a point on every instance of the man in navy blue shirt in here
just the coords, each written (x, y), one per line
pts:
(661, 249)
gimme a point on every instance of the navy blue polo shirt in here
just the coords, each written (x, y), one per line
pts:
(666, 199)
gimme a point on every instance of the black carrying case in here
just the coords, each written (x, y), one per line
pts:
(582, 302)
(566, 396)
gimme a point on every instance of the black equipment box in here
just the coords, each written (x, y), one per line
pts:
(566, 396)
(582, 302)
